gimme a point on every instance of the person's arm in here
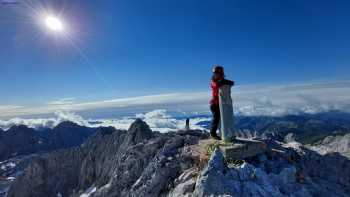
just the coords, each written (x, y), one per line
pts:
(225, 82)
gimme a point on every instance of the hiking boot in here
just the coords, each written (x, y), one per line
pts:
(215, 137)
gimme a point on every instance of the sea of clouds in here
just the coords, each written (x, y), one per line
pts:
(158, 120)
(158, 110)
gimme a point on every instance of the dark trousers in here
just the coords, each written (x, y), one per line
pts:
(215, 110)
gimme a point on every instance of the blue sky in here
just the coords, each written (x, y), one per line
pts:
(124, 48)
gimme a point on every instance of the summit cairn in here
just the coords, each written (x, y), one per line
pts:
(226, 114)
(231, 147)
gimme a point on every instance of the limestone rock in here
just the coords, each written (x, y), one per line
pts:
(280, 171)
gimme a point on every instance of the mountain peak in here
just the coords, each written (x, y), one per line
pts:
(67, 124)
(20, 129)
(138, 132)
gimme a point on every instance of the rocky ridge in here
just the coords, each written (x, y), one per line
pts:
(333, 144)
(284, 170)
(140, 162)
(137, 162)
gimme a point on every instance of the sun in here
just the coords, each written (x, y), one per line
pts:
(53, 23)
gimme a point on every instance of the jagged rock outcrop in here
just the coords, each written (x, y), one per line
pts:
(281, 171)
(21, 140)
(9, 169)
(290, 137)
(333, 144)
(137, 162)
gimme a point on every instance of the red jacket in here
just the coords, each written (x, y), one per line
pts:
(215, 85)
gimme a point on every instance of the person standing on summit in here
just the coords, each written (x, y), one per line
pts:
(217, 80)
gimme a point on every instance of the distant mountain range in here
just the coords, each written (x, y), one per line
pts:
(21, 140)
(333, 144)
(306, 128)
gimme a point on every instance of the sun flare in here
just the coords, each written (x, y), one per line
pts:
(54, 24)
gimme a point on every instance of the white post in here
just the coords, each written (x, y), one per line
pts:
(226, 114)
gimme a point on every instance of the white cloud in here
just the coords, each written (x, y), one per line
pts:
(33, 123)
(158, 120)
(9, 107)
(248, 100)
(304, 98)
(44, 122)
(146, 102)
(155, 114)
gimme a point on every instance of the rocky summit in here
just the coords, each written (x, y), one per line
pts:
(140, 162)
(283, 170)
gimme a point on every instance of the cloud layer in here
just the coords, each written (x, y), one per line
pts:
(248, 100)
(158, 120)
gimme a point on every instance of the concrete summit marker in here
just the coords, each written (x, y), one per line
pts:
(226, 114)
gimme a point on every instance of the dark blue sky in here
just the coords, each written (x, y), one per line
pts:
(126, 48)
